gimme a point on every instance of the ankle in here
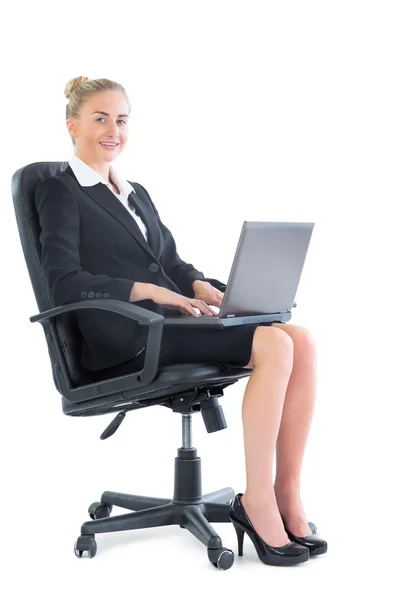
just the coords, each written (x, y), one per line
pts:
(287, 487)
(258, 501)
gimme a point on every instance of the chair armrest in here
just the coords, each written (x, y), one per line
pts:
(126, 309)
(114, 385)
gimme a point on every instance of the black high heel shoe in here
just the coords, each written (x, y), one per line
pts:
(315, 544)
(287, 555)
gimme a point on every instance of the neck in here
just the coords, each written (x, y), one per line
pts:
(102, 168)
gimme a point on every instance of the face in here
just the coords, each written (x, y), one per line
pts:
(94, 127)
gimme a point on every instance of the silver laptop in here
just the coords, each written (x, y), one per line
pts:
(264, 276)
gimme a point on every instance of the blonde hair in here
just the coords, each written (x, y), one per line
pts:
(79, 89)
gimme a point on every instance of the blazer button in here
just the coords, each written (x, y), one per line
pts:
(90, 295)
(153, 267)
(106, 295)
(98, 294)
(83, 294)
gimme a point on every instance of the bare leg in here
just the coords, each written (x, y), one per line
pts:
(293, 433)
(272, 359)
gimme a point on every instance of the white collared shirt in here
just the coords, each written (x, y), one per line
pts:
(87, 176)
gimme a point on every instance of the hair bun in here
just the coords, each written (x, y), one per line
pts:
(73, 84)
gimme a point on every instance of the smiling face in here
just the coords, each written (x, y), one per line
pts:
(103, 119)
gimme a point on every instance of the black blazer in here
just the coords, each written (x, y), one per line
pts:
(93, 248)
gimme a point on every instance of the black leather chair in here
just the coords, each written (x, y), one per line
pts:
(184, 388)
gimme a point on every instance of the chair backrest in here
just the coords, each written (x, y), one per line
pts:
(23, 187)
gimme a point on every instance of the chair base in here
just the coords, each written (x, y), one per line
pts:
(188, 508)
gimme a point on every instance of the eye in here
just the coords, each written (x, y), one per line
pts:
(120, 120)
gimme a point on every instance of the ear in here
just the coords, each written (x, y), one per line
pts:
(71, 127)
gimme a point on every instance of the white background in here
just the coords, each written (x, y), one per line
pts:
(241, 111)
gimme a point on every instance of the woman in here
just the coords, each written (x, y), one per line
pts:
(103, 237)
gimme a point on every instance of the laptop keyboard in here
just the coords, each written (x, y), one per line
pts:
(200, 316)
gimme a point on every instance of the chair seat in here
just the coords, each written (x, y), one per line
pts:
(195, 372)
(170, 380)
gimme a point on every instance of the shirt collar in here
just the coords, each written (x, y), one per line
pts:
(87, 176)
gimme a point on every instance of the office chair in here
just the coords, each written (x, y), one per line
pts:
(184, 388)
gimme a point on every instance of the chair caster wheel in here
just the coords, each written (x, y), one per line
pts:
(221, 558)
(85, 543)
(99, 510)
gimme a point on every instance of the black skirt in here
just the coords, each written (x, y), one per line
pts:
(230, 348)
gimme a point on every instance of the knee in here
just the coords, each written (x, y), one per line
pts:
(273, 345)
(304, 343)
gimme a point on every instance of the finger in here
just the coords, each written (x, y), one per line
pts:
(211, 307)
(204, 307)
(214, 301)
(190, 310)
(217, 302)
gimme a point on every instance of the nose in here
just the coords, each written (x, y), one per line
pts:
(113, 131)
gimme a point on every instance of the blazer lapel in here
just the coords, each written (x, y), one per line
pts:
(103, 196)
(149, 219)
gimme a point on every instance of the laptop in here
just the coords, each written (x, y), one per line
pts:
(264, 276)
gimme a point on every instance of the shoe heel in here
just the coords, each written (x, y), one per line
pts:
(240, 536)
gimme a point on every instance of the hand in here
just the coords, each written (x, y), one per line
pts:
(169, 299)
(207, 293)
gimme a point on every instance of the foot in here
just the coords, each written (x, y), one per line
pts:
(292, 511)
(266, 520)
